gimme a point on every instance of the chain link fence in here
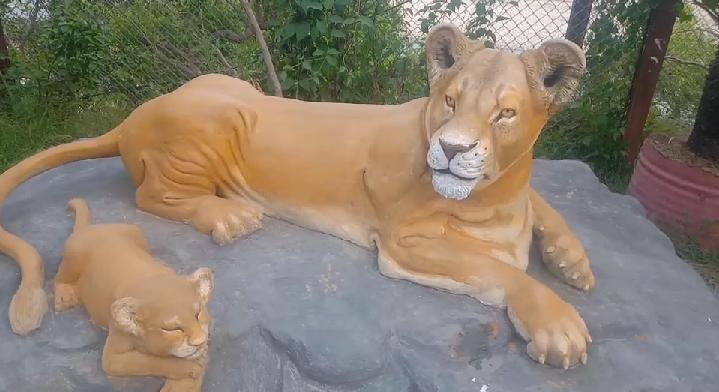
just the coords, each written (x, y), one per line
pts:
(691, 50)
(513, 25)
(154, 46)
(87, 52)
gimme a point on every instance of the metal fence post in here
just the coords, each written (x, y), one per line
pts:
(656, 40)
(4, 53)
(578, 21)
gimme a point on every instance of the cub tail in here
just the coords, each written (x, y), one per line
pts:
(82, 213)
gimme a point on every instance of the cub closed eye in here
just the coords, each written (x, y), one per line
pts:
(449, 101)
(178, 329)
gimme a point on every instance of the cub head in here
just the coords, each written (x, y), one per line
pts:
(167, 315)
(487, 106)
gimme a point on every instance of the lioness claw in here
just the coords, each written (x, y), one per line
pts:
(564, 255)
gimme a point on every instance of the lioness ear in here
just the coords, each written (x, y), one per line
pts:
(554, 71)
(205, 281)
(446, 45)
(125, 313)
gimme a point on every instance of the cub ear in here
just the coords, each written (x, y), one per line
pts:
(124, 312)
(204, 278)
(446, 46)
(554, 71)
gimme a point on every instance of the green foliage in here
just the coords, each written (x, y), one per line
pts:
(478, 25)
(682, 79)
(347, 51)
(30, 128)
(78, 59)
(592, 129)
(74, 46)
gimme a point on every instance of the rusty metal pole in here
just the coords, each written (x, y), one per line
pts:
(656, 40)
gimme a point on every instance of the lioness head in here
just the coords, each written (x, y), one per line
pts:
(167, 315)
(487, 106)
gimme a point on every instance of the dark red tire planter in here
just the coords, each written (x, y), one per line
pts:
(683, 199)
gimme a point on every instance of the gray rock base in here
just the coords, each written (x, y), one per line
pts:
(297, 310)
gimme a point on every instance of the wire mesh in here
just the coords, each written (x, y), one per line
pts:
(691, 50)
(516, 25)
(155, 46)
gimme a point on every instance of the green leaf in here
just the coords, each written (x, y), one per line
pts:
(319, 52)
(306, 84)
(331, 60)
(306, 5)
(332, 51)
(289, 31)
(302, 30)
(338, 33)
(307, 64)
(321, 26)
(366, 20)
(336, 18)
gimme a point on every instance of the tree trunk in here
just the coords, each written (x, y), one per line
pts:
(4, 53)
(704, 140)
(263, 45)
(578, 21)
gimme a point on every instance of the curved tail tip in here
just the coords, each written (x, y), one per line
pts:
(27, 309)
(76, 202)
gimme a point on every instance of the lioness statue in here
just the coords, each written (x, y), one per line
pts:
(157, 321)
(440, 185)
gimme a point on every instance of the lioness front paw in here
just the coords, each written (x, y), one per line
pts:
(566, 258)
(556, 333)
(235, 225)
(226, 220)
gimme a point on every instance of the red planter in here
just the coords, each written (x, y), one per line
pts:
(678, 197)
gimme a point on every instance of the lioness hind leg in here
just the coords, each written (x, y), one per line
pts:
(562, 252)
(191, 199)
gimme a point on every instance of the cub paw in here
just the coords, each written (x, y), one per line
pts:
(566, 258)
(65, 296)
(27, 308)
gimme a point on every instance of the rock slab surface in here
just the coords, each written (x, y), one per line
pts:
(296, 310)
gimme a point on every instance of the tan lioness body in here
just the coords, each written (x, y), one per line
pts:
(157, 320)
(440, 185)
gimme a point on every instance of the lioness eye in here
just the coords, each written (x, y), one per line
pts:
(178, 329)
(507, 113)
(449, 101)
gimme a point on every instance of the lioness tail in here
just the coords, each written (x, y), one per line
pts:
(29, 303)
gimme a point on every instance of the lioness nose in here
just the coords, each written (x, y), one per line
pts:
(452, 149)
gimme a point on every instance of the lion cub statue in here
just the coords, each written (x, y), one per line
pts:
(157, 320)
